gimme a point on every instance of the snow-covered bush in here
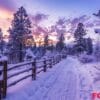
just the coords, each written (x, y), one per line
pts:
(84, 58)
(48, 54)
(97, 51)
(29, 55)
(3, 58)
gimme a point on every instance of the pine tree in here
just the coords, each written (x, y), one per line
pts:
(80, 32)
(20, 30)
(2, 43)
(46, 41)
(97, 51)
(79, 37)
(60, 44)
(89, 46)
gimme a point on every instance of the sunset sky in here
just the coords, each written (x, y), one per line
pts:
(53, 8)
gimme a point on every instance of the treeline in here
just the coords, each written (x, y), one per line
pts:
(21, 31)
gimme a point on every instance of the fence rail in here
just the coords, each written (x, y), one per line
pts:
(34, 69)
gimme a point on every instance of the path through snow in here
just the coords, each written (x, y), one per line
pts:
(65, 81)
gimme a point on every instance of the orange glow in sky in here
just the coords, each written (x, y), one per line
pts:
(5, 19)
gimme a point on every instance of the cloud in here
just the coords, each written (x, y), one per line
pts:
(89, 24)
(61, 21)
(36, 23)
(39, 17)
(40, 30)
(60, 26)
(82, 19)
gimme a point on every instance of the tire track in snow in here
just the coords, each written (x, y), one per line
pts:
(59, 83)
(62, 87)
(47, 84)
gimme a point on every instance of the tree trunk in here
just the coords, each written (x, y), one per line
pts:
(20, 53)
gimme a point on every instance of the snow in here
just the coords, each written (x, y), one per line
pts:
(29, 54)
(68, 80)
(3, 58)
(94, 71)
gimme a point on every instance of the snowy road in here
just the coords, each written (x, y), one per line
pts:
(65, 81)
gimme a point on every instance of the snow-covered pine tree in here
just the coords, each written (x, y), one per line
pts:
(46, 41)
(79, 32)
(19, 32)
(2, 43)
(60, 44)
(89, 46)
(97, 51)
(79, 37)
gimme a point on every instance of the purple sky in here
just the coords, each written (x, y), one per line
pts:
(53, 9)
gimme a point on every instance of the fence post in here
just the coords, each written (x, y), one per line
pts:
(5, 79)
(0, 89)
(53, 60)
(56, 59)
(50, 62)
(45, 67)
(34, 70)
(60, 58)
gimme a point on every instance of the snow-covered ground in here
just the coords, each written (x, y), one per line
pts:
(68, 80)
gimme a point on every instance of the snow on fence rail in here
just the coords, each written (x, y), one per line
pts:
(34, 67)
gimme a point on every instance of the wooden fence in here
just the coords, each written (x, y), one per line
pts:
(36, 66)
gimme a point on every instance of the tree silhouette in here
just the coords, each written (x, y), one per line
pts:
(79, 36)
(20, 30)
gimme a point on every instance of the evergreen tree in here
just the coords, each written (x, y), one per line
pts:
(80, 40)
(97, 51)
(2, 43)
(60, 44)
(80, 32)
(20, 30)
(46, 41)
(89, 46)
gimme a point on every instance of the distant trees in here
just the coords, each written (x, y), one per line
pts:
(46, 41)
(60, 44)
(89, 46)
(19, 32)
(97, 51)
(48, 45)
(2, 42)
